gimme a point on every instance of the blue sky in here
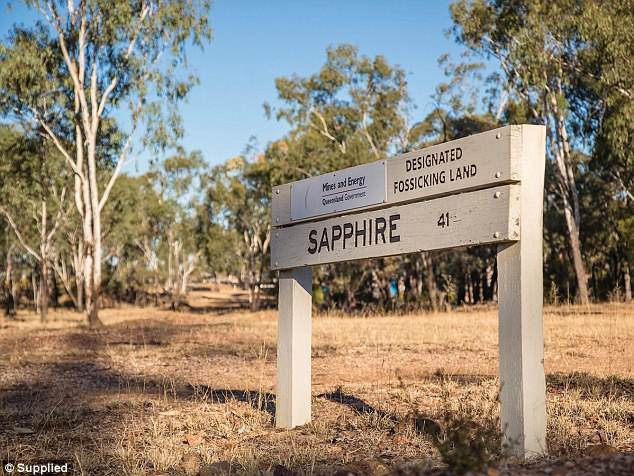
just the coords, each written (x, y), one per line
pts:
(256, 41)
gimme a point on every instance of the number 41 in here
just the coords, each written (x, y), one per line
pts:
(443, 220)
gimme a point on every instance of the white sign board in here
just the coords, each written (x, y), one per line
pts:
(346, 189)
(474, 218)
(479, 161)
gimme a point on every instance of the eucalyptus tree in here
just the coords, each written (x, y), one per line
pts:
(177, 181)
(238, 204)
(570, 63)
(87, 64)
(350, 112)
(137, 220)
(33, 184)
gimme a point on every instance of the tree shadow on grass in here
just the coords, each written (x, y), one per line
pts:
(421, 423)
(262, 401)
(358, 405)
(590, 386)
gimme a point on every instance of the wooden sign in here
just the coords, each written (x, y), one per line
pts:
(474, 162)
(486, 188)
(341, 191)
(474, 218)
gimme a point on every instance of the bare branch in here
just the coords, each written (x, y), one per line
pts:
(113, 83)
(324, 131)
(58, 144)
(77, 81)
(122, 158)
(59, 266)
(58, 217)
(368, 136)
(19, 235)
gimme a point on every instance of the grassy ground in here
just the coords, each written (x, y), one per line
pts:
(156, 392)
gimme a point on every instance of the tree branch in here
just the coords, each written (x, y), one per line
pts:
(19, 235)
(113, 83)
(58, 217)
(324, 132)
(77, 81)
(58, 144)
(122, 158)
(367, 134)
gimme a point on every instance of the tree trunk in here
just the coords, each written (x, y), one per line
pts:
(430, 279)
(10, 308)
(175, 289)
(36, 302)
(170, 280)
(54, 291)
(43, 291)
(96, 265)
(253, 303)
(78, 265)
(567, 187)
(92, 315)
(627, 282)
(577, 258)
(90, 263)
(93, 215)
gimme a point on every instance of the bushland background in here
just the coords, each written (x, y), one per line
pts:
(76, 231)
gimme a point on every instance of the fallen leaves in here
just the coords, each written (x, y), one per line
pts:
(195, 439)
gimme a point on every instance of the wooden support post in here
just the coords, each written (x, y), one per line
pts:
(520, 295)
(293, 393)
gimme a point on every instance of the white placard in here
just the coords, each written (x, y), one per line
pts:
(346, 189)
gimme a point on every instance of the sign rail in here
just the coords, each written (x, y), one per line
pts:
(475, 218)
(475, 162)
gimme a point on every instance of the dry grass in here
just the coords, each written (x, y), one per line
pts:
(159, 392)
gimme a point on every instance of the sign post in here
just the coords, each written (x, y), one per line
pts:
(292, 403)
(520, 298)
(483, 189)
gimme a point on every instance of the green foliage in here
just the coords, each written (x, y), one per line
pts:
(236, 212)
(348, 113)
(567, 64)
(137, 50)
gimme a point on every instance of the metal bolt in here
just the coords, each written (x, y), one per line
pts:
(277, 235)
(498, 174)
(495, 235)
(498, 135)
(276, 263)
(496, 195)
(277, 220)
(277, 191)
